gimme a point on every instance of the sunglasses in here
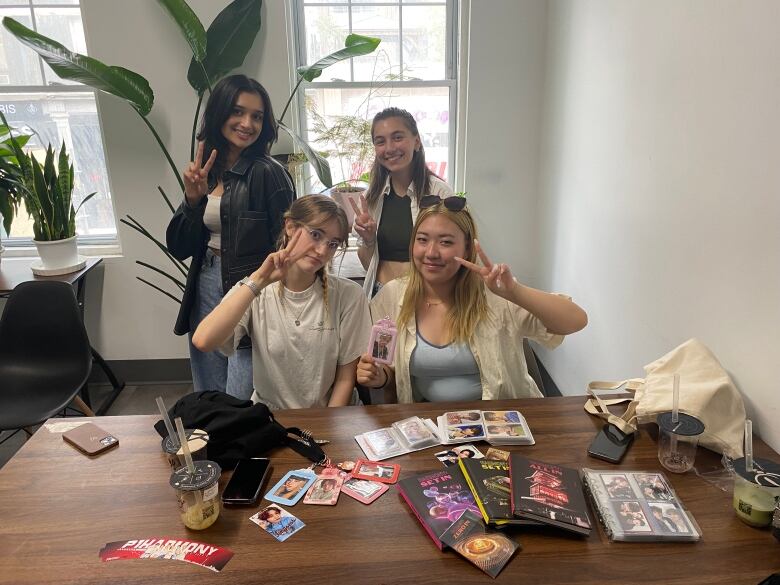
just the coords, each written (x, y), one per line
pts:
(453, 203)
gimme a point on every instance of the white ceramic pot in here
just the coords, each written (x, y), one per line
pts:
(58, 253)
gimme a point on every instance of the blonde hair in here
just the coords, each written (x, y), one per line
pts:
(314, 211)
(470, 305)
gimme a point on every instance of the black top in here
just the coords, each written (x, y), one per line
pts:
(395, 228)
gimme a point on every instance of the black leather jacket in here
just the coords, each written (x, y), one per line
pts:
(256, 194)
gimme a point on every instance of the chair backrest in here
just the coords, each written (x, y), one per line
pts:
(533, 366)
(41, 325)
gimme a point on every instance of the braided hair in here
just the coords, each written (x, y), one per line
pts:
(314, 211)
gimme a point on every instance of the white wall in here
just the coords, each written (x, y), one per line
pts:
(660, 187)
(505, 69)
(126, 319)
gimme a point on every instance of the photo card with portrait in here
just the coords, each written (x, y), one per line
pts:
(376, 471)
(325, 490)
(277, 522)
(450, 456)
(415, 432)
(618, 486)
(381, 343)
(403, 436)
(363, 490)
(291, 487)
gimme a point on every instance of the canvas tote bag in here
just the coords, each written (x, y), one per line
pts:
(706, 392)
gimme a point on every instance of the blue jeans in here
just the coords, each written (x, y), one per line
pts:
(213, 370)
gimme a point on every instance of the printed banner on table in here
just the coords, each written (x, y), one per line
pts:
(189, 551)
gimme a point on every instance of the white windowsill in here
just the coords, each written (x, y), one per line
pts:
(93, 250)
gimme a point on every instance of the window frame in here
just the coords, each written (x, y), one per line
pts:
(451, 69)
(21, 245)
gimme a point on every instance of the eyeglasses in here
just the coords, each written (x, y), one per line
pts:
(318, 237)
(453, 203)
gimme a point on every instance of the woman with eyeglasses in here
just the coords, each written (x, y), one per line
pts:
(389, 208)
(309, 329)
(230, 219)
(461, 325)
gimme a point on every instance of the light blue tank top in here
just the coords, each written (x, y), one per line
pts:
(444, 373)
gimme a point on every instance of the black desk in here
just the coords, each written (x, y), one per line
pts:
(14, 271)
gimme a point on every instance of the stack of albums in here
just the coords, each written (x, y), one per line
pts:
(638, 506)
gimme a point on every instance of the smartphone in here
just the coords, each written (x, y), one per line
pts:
(90, 439)
(244, 486)
(610, 444)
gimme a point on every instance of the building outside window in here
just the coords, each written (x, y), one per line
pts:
(36, 100)
(414, 68)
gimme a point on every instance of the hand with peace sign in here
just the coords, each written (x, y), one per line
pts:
(365, 226)
(498, 277)
(196, 176)
(275, 266)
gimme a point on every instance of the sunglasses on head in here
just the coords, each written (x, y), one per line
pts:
(453, 203)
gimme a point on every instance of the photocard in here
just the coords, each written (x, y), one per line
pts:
(277, 522)
(501, 416)
(375, 471)
(631, 517)
(363, 490)
(617, 486)
(291, 487)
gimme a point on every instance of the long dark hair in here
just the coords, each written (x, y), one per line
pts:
(421, 174)
(220, 105)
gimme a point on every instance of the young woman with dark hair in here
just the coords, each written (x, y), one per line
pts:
(460, 325)
(230, 219)
(308, 331)
(389, 208)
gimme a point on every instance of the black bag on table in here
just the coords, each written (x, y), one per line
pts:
(238, 429)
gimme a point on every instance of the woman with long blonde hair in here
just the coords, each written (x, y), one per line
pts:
(461, 325)
(308, 331)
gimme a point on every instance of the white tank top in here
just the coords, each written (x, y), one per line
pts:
(212, 222)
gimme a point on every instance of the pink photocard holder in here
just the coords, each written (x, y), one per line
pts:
(381, 345)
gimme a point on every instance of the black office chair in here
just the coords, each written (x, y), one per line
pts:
(45, 356)
(533, 366)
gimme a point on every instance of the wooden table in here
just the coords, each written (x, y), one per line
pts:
(58, 508)
(14, 271)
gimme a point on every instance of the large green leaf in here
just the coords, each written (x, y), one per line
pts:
(117, 81)
(319, 162)
(190, 25)
(229, 39)
(354, 46)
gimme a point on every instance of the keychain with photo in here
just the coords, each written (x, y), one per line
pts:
(326, 488)
(291, 487)
(381, 344)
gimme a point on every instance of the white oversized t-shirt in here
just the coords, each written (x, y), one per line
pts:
(295, 366)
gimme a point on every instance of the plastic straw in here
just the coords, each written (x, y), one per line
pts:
(749, 445)
(167, 420)
(676, 402)
(184, 446)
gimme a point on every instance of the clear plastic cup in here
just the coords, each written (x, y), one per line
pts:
(677, 442)
(757, 492)
(198, 494)
(197, 440)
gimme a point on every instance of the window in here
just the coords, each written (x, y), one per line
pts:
(414, 68)
(35, 99)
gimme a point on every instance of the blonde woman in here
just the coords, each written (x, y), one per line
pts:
(461, 325)
(308, 331)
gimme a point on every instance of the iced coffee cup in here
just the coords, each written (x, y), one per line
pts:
(678, 440)
(756, 492)
(198, 494)
(197, 440)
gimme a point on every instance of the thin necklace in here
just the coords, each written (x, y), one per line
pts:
(429, 304)
(297, 320)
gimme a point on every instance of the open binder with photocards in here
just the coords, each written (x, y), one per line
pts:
(403, 436)
(497, 427)
(638, 506)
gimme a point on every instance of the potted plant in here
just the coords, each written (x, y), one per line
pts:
(47, 193)
(10, 179)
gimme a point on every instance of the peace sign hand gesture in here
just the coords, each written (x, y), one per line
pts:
(365, 226)
(196, 176)
(275, 266)
(498, 277)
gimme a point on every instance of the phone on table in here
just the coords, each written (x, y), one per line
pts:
(244, 486)
(90, 439)
(610, 444)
